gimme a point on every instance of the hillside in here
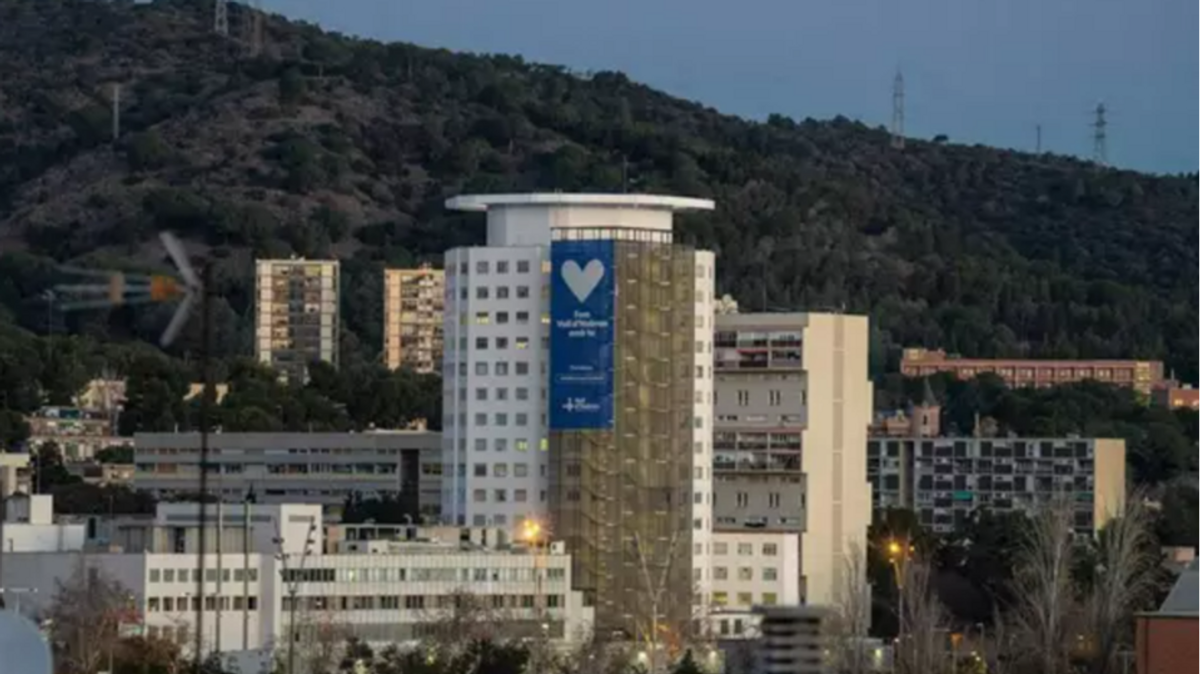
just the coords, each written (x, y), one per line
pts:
(322, 145)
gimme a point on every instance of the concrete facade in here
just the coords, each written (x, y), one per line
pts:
(1140, 375)
(793, 405)
(944, 479)
(296, 314)
(413, 302)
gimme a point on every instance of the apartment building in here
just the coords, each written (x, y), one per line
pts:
(1140, 375)
(1175, 396)
(296, 306)
(618, 433)
(383, 592)
(413, 303)
(944, 480)
(792, 407)
(79, 433)
(320, 468)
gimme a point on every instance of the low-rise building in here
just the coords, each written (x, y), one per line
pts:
(1166, 638)
(14, 473)
(29, 526)
(1174, 396)
(78, 432)
(324, 468)
(944, 480)
(1140, 375)
(102, 474)
(280, 573)
(751, 568)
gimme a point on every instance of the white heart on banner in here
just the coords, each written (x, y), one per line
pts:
(582, 280)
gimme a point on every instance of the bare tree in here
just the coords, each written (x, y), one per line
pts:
(84, 617)
(1121, 583)
(850, 621)
(1045, 612)
(921, 646)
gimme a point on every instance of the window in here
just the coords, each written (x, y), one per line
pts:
(502, 369)
(522, 317)
(776, 398)
(522, 419)
(522, 445)
(745, 549)
(481, 343)
(773, 499)
(500, 470)
(501, 343)
(522, 368)
(720, 573)
(522, 292)
(520, 495)
(720, 548)
(520, 470)
(481, 267)
(168, 575)
(745, 599)
(770, 573)
(743, 398)
(480, 419)
(522, 266)
(720, 598)
(501, 444)
(152, 604)
(501, 419)
(769, 599)
(502, 292)
(501, 495)
(480, 444)
(481, 393)
(522, 393)
(481, 369)
(481, 293)
(481, 318)
(522, 342)
(502, 267)
(743, 499)
(154, 575)
(770, 549)
(745, 573)
(480, 495)
(481, 470)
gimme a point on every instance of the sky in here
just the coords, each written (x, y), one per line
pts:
(978, 71)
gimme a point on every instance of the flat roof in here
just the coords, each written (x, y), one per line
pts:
(482, 202)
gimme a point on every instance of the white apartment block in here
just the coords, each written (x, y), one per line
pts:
(751, 569)
(321, 468)
(793, 406)
(296, 314)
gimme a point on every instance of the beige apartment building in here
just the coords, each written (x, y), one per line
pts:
(792, 406)
(412, 323)
(296, 303)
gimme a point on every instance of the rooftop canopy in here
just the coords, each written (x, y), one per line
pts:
(482, 202)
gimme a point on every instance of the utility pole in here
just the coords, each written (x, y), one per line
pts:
(898, 111)
(205, 401)
(1038, 147)
(1100, 136)
(221, 18)
(246, 568)
(116, 111)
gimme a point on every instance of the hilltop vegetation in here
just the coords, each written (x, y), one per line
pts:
(322, 145)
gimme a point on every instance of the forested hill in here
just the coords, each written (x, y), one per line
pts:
(321, 145)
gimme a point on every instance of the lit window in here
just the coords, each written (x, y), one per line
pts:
(522, 342)
(481, 318)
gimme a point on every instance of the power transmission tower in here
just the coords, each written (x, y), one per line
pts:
(898, 111)
(254, 28)
(221, 18)
(1100, 136)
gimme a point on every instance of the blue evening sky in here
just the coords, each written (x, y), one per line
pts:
(979, 71)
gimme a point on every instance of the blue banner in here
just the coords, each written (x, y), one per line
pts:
(581, 335)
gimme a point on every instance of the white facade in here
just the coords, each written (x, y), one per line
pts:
(381, 596)
(751, 569)
(702, 484)
(29, 526)
(321, 468)
(494, 383)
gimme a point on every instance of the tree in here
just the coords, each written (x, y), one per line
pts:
(848, 626)
(921, 646)
(1045, 615)
(687, 665)
(83, 619)
(115, 454)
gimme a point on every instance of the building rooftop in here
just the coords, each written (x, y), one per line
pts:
(482, 202)
(1185, 595)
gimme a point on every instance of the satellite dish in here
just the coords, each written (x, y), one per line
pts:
(23, 650)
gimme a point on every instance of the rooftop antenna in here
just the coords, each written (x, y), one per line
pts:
(1100, 136)
(898, 111)
(221, 18)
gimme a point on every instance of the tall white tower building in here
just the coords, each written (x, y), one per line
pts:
(578, 391)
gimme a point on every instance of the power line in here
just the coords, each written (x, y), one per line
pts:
(898, 111)
(1100, 136)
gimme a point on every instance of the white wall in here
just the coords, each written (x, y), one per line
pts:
(738, 553)
(702, 486)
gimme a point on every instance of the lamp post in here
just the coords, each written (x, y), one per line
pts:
(535, 536)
